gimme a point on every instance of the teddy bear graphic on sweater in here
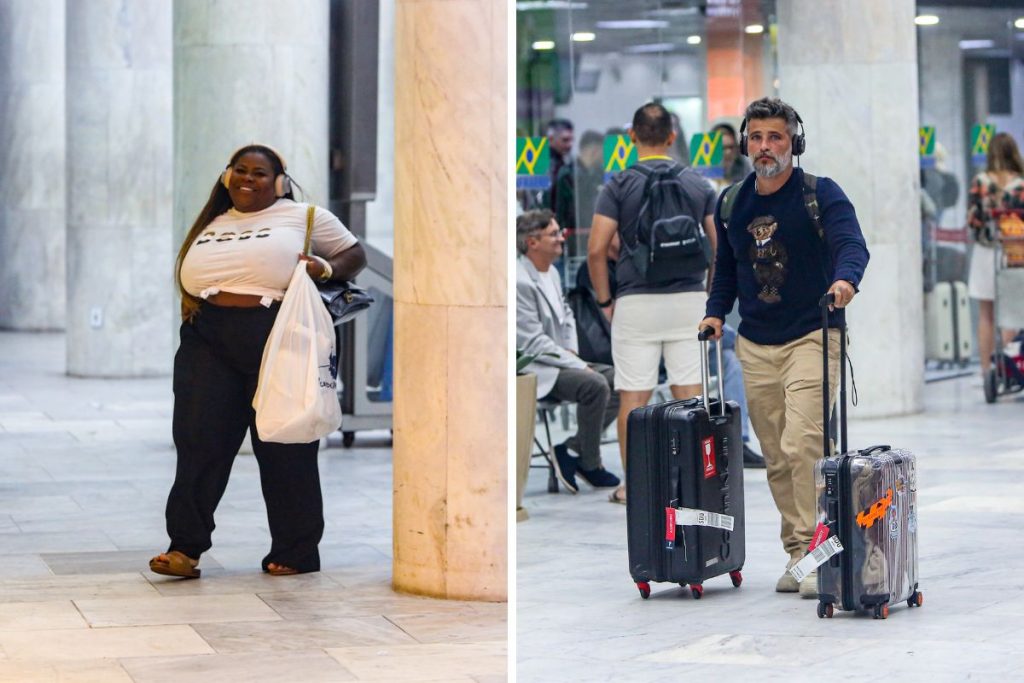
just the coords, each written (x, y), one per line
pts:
(768, 257)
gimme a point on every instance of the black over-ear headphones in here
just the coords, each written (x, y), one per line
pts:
(282, 183)
(799, 141)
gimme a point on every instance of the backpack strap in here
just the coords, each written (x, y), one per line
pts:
(730, 198)
(811, 203)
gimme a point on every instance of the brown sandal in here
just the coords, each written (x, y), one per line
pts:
(615, 496)
(280, 570)
(176, 564)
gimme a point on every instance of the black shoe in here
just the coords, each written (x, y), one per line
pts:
(599, 477)
(752, 459)
(565, 468)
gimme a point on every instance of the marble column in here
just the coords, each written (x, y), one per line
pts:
(119, 128)
(32, 165)
(855, 86)
(451, 282)
(248, 72)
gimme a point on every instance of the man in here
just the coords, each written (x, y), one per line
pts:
(560, 139)
(545, 327)
(736, 166)
(779, 253)
(577, 184)
(653, 309)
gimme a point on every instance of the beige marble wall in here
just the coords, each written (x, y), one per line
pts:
(119, 165)
(451, 257)
(32, 189)
(855, 86)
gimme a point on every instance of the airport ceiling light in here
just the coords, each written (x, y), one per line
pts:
(693, 40)
(633, 23)
(1019, 23)
(649, 48)
(544, 45)
(926, 20)
(754, 28)
(525, 5)
(584, 37)
(976, 44)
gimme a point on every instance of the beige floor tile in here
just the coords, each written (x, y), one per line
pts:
(451, 628)
(220, 582)
(36, 616)
(424, 662)
(77, 587)
(307, 666)
(189, 609)
(103, 643)
(105, 562)
(90, 671)
(344, 602)
(302, 634)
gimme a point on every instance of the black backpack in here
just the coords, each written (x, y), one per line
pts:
(670, 242)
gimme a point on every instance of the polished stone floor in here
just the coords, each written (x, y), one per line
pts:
(85, 466)
(580, 618)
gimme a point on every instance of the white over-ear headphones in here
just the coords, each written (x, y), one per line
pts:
(282, 183)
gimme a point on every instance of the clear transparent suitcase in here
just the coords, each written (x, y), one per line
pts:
(868, 499)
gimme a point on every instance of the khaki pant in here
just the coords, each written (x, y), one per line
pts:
(783, 385)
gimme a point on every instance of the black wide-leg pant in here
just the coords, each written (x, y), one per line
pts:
(216, 370)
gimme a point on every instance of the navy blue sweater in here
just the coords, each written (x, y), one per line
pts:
(772, 258)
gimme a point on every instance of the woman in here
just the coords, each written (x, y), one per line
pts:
(232, 270)
(1000, 186)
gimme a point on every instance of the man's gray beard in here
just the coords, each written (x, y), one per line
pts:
(776, 167)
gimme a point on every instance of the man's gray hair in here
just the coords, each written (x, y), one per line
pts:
(529, 224)
(772, 108)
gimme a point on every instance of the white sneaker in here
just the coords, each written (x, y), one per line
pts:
(786, 582)
(809, 585)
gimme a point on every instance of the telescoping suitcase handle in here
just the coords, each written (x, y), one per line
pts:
(705, 371)
(825, 302)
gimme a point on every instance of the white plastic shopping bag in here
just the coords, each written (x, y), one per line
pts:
(296, 399)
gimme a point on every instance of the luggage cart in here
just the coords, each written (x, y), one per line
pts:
(1007, 373)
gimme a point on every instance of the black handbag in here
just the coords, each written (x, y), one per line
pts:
(344, 300)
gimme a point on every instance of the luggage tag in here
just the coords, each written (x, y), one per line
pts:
(689, 517)
(817, 555)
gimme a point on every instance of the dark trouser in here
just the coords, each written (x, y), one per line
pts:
(597, 404)
(216, 370)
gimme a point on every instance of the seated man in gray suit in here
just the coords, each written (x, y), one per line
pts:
(545, 327)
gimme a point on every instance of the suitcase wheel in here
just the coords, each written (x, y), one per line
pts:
(644, 588)
(697, 590)
(915, 600)
(825, 609)
(881, 611)
(736, 577)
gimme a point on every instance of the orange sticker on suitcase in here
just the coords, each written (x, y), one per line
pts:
(867, 518)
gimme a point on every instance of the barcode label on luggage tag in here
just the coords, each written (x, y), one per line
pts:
(691, 517)
(816, 558)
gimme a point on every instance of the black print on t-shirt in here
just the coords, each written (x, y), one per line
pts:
(769, 258)
(229, 236)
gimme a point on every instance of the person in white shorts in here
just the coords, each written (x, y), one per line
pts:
(653, 317)
(999, 187)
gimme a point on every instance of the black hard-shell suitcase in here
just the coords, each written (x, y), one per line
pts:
(684, 490)
(868, 498)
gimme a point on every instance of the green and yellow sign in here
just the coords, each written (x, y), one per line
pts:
(533, 163)
(619, 154)
(706, 154)
(981, 135)
(926, 145)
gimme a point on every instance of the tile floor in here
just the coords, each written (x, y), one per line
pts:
(580, 618)
(85, 465)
